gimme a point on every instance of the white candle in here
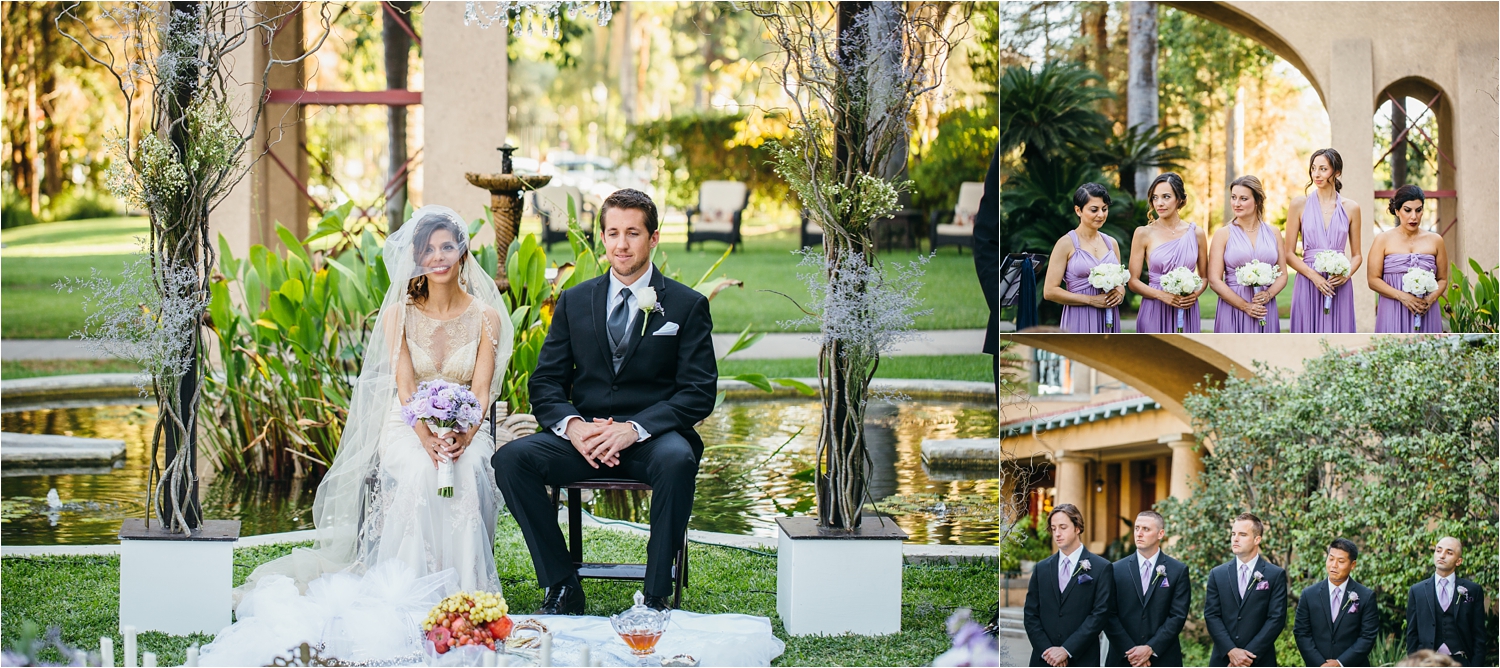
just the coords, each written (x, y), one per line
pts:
(487, 659)
(148, 660)
(192, 656)
(129, 632)
(107, 652)
(502, 660)
(583, 657)
(545, 655)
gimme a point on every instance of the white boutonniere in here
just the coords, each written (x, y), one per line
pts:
(1161, 573)
(1463, 593)
(1258, 578)
(647, 300)
(1352, 604)
(1082, 571)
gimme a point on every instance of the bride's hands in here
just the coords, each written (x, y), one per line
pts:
(435, 447)
(459, 442)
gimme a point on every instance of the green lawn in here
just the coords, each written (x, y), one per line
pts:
(81, 594)
(35, 257)
(13, 369)
(936, 367)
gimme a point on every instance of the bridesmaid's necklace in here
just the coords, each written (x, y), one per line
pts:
(1175, 231)
(1093, 249)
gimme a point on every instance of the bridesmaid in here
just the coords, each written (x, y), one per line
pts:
(1326, 221)
(1248, 237)
(1072, 258)
(1398, 251)
(1166, 244)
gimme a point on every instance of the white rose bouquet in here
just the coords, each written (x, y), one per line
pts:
(1330, 263)
(1107, 277)
(1259, 276)
(1181, 282)
(1421, 283)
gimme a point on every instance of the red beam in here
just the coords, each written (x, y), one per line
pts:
(390, 98)
(1387, 194)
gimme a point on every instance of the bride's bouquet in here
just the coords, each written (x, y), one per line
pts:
(1259, 276)
(1330, 263)
(1107, 277)
(468, 618)
(445, 407)
(1421, 283)
(1181, 282)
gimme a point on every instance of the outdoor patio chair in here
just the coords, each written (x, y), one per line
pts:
(609, 571)
(812, 233)
(959, 231)
(720, 205)
(551, 205)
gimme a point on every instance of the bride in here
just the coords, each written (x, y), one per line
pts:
(388, 547)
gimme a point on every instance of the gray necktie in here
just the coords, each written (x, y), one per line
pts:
(618, 324)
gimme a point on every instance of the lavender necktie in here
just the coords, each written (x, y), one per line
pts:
(1444, 598)
(1244, 578)
(1338, 600)
(1063, 575)
(1145, 576)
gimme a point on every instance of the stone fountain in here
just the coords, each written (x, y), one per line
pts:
(505, 205)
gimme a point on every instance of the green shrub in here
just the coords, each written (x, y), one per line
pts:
(82, 203)
(695, 147)
(17, 209)
(1471, 308)
(961, 152)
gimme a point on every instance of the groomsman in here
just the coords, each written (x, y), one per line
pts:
(1068, 597)
(1152, 596)
(1445, 613)
(1337, 621)
(1245, 608)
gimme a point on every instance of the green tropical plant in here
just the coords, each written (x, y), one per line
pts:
(1037, 208)
(1472, 308)
(965, 142)
(1050, 112)
(1137, 148)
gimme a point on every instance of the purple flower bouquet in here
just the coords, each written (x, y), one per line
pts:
(445, 407)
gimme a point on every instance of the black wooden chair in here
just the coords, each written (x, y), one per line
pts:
(608, 571)
(551, 205)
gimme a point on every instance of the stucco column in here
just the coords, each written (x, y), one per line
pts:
(1187, 463)
(1477, 154)
(1071, 479)
(1351, 117)
(464, 109)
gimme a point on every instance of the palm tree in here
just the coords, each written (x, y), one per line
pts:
(1138, 148)
(1050, 112)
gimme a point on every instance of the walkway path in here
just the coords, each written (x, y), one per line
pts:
(777, 345)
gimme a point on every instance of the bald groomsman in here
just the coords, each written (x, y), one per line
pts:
(1337, 621)
(1068, 597)
(1445, 613)
(1152, 596)
(1245, 608)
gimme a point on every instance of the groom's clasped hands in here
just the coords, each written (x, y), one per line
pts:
(601, 441)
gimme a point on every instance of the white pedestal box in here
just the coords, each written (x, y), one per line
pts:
(177, 585)
(830, 581)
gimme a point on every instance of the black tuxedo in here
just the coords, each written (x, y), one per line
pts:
(666, 384)
(1153, 617)
(1348, 639)
(1461, 626)
(1251, 622)
(987, 254)
(1071, 618)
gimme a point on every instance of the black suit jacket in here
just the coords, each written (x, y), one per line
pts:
(1154, 617)
(1421, 619)
(665, 383)
(987, 252)
(1349, 639)
(1250, 623)
(1071, 618)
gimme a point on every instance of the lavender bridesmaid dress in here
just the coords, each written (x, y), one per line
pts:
(1087, 319)
(1307, 302)
(1238, 252)
(1391, 316)
(1156, 317)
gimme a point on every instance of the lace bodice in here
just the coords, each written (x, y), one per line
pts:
(447, 349)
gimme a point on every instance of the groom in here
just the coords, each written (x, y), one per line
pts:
(621, 379)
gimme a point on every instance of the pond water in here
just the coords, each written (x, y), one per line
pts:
(755, 471)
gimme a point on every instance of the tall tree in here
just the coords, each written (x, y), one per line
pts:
(1398, 153)
(397, 48)
(1141, 92)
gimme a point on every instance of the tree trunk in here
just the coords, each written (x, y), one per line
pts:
(1398, 152)
(627, 65)
(1234, 145)
(397, 47)
(1100, 32)
(1142, 87)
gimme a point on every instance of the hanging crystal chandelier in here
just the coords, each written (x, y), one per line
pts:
(509, 13)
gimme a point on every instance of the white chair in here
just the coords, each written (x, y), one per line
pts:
(551, 205)
(959, 231)
(720, 207)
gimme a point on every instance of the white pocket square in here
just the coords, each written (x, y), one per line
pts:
(669, 329)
